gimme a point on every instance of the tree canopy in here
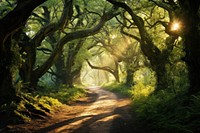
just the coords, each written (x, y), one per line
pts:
(146, 45)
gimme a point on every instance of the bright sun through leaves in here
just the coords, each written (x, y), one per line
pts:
(175, 26)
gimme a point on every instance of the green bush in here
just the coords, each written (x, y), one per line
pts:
(68, 95)
(28, 107)
(165, 112)
(64, 94)
(40, 104)
(120, 89)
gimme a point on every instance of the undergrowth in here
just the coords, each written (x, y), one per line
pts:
(39, 104)
(27, 107)
(64, 94)
(119, 89)
(163, 111)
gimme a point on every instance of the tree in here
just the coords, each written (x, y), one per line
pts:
(191, 34)
(114, 72)
(9, 33)
(186, 13)
(61, 25)
(47, 30)
(10, 29)
(158, 58)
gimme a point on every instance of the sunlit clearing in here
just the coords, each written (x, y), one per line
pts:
(175, 26)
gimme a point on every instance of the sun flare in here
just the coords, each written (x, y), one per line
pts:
(175, 26)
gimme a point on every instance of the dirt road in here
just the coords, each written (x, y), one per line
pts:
(100, 112)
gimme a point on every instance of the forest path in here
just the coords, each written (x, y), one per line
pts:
(100, 112)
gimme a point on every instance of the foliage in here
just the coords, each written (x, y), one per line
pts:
(140, 90)
(68, 95)
(82, 55)
(93, 6)
(162, 111)
(145, 76)
(39, 104)
(6, 6)
(29, 107)
(46, 82)
(64, 94)
(165, 112)
(119, 89)
(51, 3)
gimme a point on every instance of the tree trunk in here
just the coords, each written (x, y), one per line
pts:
(40, 71)
(9, 25)
(60, 72)
(7, 90)
(161, 77)
(193, 60)
(192, 44)
(77, 79)
(72, 52)
(116, 72)
(129, 77)
(191, 35)
(157, 58)
(116, 75)
(26, 69)
(69, 80)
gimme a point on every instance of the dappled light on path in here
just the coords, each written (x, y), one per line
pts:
(99, 112)
(105, 105)
(96, 118)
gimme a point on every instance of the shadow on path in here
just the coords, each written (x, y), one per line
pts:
(82, 128)
(60, 124)
(126, 122)
(100, 112)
